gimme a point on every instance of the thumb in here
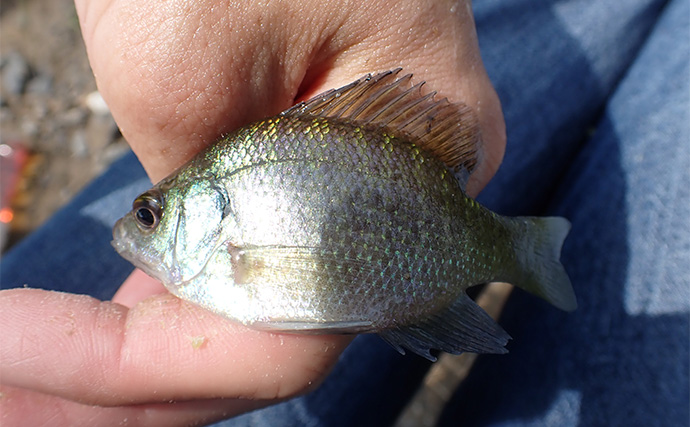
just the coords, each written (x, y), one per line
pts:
(178, 74)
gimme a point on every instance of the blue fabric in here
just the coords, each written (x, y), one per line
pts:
(622, 357)
(596, 100)
(71, 252)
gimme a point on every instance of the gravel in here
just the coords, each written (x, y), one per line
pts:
(49, 105)
(15, 73)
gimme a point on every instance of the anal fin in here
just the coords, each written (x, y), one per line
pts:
(462, 327)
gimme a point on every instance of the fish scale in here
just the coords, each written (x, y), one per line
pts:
(366, 226)
(345, 214)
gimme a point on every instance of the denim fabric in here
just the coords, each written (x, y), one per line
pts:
(622, 357)
(596, 100)
(577, 142)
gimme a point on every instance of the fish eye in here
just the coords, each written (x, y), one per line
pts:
(147, 211)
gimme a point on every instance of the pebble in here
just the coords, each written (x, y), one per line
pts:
(15, 73)
(39, 110)
(101, 130)
(73, 117)
(95, 102)
(5, 114)
(78, 144)
(29, 127)
(111, 153)
(42, 84)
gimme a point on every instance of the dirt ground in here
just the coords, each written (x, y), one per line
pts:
(50, 110)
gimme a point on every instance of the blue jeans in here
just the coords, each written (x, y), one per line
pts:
(596, 99)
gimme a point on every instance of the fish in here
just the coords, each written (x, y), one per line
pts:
(346, 214)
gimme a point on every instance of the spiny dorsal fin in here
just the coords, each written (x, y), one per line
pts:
(448, 131)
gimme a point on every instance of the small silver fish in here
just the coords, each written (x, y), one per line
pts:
(346, 214)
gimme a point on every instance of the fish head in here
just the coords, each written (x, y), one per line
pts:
(174, 229)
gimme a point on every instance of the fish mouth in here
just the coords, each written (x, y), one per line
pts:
(123, 249)
(149, 262)
(120, 247)
(120, 242)
(126, 250)
(124, 246)
(118, 237)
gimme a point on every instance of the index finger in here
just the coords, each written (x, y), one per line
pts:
(162, 349)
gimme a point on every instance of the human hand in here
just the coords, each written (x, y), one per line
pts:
(176, 75)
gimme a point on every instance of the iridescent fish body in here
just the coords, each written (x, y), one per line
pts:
(345, 214)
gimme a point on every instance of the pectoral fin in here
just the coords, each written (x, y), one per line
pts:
(462, 327)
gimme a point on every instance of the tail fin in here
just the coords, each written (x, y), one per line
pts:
(539, 242)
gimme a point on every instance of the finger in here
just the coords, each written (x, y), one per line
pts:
(176, 79)
(437, 42)
(137, 288)
(25, 407)
(162, 349)
(179, 74)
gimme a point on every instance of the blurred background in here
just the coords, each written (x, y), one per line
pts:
(56, 133)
